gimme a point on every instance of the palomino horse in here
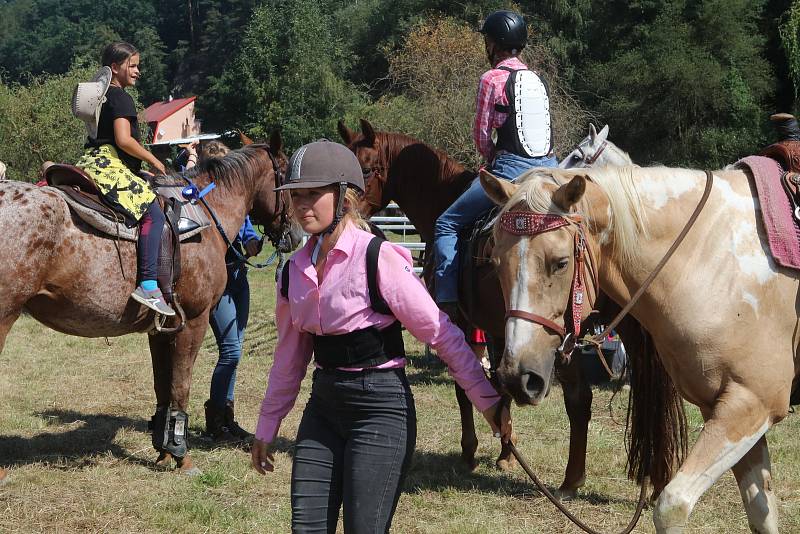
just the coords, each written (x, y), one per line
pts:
(722, 316)
(78, 282)
(424, 182)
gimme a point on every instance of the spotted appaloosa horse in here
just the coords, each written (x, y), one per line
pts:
(722, 315)
(73, 280)
(424, 182)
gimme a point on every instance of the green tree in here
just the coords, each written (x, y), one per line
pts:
(681, 81)
(435, 77)
(289, 74)
(37, 125)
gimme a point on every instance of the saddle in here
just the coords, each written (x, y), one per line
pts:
(86, 201)
(475, 258)
(787, 154)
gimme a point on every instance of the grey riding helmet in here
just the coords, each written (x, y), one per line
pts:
(323, 163)
(506, 28)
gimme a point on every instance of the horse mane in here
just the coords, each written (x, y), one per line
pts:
(392, 143)
(628, 218)
(236, 169)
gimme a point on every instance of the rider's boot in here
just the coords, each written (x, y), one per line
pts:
(233, 426)
(216, 423)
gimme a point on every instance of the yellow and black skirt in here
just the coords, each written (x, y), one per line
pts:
(120, 187)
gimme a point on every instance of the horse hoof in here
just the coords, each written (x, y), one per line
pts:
(191, 471)
(472, 463)
(186, 467)
(164, 460)
(504, 464)
(565, 495)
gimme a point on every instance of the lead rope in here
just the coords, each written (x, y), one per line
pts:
(504, 402)
(580, 524)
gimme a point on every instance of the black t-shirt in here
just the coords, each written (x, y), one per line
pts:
(118, 104)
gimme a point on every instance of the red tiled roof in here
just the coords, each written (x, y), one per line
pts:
(161, 110)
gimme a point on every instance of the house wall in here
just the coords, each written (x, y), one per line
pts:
(180, 124)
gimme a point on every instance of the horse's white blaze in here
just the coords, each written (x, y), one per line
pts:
(659, 192)
(519, 332)
(685, 489)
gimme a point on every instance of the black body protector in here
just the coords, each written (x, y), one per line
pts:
(367, 347)
(527, 131)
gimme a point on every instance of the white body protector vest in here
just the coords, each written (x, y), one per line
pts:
(527, 131)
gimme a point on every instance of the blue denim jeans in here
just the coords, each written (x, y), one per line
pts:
(353, 449)
(463, 213)
(228, 320)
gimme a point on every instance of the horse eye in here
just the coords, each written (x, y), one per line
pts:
(561, 264)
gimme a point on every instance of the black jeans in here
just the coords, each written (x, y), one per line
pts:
(354, 446)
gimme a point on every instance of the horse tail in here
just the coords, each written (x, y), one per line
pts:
(655, 429)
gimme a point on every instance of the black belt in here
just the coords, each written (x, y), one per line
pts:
(362, 348)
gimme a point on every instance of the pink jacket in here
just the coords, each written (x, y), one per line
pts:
(341, 304)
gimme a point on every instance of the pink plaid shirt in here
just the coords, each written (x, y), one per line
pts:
(491, 91)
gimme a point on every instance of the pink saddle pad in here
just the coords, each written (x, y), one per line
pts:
(783, 232)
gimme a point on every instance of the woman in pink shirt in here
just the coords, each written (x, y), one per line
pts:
(358, 430)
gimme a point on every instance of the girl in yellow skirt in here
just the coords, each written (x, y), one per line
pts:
(113, 158)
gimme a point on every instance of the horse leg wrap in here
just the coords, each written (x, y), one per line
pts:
(169, 431)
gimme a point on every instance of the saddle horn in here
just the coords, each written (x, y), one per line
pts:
(786, 125)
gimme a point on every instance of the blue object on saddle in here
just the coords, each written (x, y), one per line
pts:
(193, 194)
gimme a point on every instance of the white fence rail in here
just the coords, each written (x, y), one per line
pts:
(399, 224)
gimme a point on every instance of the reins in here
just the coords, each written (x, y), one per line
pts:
(277, 239)
(662, 263)
(526, 223)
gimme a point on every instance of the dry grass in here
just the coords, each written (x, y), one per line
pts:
(73, 430)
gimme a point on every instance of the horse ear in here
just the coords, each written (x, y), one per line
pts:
(500, 191)
(345, 133)
(368, 131)
(592, 132)
(276, 142)
(244, 139)
(570, 193)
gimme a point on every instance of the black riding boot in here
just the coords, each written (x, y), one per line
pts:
(216, 423)
(233, 426)
(787, 127)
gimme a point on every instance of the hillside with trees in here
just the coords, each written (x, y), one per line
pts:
(681, 82)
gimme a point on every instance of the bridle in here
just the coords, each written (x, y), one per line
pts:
(279, 235)
(588, 161)
(528, 223)
(374, 197)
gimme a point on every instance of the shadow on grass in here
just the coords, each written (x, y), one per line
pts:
(93, 434)
(431, 471)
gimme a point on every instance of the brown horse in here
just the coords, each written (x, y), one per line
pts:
(722, 314)
(76, 281)
(424, 182)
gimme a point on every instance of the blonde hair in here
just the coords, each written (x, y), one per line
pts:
(351, 213)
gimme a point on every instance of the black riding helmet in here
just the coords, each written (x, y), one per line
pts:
(324, 163)
(507, 29)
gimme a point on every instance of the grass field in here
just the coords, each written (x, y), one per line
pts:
(73, 430)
